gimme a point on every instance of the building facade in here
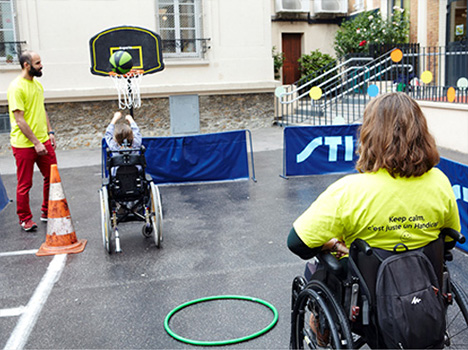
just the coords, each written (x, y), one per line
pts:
(219, 50)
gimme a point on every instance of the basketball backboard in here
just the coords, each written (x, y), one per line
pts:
(143, 44)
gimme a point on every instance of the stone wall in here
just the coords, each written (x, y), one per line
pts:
(82, 124)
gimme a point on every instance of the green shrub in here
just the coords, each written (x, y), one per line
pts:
(370, 28)
(311, 65)
(278, 60)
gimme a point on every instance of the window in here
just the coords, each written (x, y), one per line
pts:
(404, 4)
(4, 123)
(457, 20)
(8, 44)
(179, 25)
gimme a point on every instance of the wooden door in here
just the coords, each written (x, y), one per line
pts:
(291, 44)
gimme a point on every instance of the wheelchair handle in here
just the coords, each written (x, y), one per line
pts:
(330, 262)
(455, 235)
(362, 246)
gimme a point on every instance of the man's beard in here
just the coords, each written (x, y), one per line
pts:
(35, 72)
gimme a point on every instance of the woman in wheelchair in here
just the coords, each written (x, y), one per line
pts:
(398, 201)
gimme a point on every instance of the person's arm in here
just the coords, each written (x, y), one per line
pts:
(50, 132)
(137, 138)
(298, 247)
(26, 130)
(116, 117)
(109, 135)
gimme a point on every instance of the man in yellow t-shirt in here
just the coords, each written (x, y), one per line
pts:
(32, 138)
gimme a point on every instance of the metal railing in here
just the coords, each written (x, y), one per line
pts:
(345, 85)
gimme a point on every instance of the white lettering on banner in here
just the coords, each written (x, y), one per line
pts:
(460, 192)
(332, 142)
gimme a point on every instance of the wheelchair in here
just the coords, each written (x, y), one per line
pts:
(128, 194)
(340, 298)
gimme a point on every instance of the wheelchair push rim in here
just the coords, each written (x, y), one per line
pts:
(106, 226)
(317, 298)
(156, 214)
(457, 319)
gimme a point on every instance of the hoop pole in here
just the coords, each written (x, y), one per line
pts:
(129, 84)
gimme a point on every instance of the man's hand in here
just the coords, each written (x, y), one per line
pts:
(52, 140)
(129, 118)
(40, 149)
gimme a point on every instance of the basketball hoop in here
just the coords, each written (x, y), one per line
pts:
(128, 87)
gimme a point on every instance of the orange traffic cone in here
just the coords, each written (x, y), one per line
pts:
(61, 237)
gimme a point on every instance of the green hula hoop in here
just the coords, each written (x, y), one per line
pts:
(220, 342)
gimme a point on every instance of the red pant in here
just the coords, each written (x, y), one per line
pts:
(25, 160)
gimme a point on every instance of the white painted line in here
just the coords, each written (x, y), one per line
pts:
(18, 252)
(16, 311)
(28, 319)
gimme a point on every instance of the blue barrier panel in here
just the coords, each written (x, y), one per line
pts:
(3, 196)
(313, 150)
(458, 176)
(196, 158)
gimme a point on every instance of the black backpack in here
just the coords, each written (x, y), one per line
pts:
(409, 303)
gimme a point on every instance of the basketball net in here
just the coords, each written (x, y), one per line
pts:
(128, 87)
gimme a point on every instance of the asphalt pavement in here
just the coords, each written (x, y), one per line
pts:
(219, 239)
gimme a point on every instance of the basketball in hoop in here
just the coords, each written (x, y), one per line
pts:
(128, 88)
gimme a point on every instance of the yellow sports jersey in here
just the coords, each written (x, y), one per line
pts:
(27, 96)
(381, 210)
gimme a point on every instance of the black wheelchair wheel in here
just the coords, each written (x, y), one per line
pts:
(316, 302)
(106, 225)
(456, 336)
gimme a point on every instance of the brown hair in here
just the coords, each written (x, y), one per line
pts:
(394, 136)
(123, 132)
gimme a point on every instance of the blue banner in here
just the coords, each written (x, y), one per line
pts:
(458, 176)
(314, 150)
(3, 196)
(197, 158)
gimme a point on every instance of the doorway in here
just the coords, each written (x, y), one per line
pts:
(456, 47)
(292, 49)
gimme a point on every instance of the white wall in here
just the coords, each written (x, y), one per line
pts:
(448, 123)
(315, 36)
(239, 59)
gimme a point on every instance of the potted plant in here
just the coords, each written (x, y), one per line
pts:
(278, 60)
(9, 59)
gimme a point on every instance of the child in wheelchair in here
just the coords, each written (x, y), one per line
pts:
(128, 192)
(126, 163)
(397, 202)
(121, 135)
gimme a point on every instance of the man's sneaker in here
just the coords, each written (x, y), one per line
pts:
(28, 225)
(44, 216)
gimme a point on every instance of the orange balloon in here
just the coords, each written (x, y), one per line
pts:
(451, 94)
(396, 55)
